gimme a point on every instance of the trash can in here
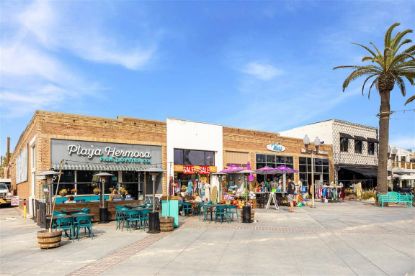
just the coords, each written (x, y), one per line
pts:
(246, 214)
(153, 223)
(103, 215)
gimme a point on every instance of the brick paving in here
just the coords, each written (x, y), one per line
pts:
(99, 266)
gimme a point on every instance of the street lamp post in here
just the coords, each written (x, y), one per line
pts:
(317, 143)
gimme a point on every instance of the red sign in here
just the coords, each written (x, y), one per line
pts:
(188, 169)
(204, 170)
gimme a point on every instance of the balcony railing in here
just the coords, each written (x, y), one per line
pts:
(403, 165)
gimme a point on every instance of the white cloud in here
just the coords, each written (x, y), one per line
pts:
(35, 43)
(55, 28)
(261, 71)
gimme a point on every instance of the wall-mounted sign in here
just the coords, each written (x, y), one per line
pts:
(276, 147)
(14, 201)
(97, 152)
(190, 169)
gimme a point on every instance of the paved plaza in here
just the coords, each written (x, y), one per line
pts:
(350, 238)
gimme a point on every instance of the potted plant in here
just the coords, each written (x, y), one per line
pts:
(63, 192)
(96, 190)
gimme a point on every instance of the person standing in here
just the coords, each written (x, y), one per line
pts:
(290, 196)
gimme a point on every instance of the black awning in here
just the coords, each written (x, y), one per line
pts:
(373, 140)
(345, 135)
(361, 138)
(366, 171)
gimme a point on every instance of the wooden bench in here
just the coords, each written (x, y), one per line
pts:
(395, 197)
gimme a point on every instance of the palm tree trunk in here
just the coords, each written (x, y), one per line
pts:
(382, 177)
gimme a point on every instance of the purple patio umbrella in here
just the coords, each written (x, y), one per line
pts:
(232, 169)
(284, 169)
(251, 176)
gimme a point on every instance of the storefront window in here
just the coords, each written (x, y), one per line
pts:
(344, 144)
(358, 145)
(371, 148)
(67, 181)
(194, 157)
(273, 161)
(321, 169)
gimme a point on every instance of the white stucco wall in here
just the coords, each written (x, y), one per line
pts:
(322, 129)
(196, 136)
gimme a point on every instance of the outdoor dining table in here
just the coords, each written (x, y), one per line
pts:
(71, 211)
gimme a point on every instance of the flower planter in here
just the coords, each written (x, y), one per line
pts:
(47, 240)
(166, 224)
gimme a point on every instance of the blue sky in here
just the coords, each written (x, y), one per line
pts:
(260, 65)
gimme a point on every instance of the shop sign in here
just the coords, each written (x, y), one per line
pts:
(189, 169)
(98, 152)
(276, 147)
(14, 201)
(204, 170)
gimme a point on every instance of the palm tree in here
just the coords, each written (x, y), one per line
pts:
(387, 68)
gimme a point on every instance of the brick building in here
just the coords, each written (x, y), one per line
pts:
(128, 147)
(46, 139)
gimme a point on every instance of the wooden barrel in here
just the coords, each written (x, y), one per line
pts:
(166, 224)
(47, 239)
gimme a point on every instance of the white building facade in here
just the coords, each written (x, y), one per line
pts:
(355, 148)
(401, 165)
(193, 150)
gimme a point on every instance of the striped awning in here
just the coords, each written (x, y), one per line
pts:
(103, 167)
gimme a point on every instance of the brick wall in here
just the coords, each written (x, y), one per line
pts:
(242, 140)
(50, 125)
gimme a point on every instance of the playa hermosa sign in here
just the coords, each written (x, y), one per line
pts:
(275, 147)
(98, 152)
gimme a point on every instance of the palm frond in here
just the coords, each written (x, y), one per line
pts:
(370, 88)
(401, 85)
(410, 99)
(410, 50)
(400, 59)
(356, 74)
(388, 34)
(397, 39)
(366, 80)
(366, 48)
(406, 41)
(368, 59)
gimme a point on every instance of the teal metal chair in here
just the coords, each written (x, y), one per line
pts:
(65, 224)
(132, 218)
(84, 222)
(187, 208)
(120, 216)
(144, 218)
(222, 214)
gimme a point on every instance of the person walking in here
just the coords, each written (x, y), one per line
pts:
(290, 196)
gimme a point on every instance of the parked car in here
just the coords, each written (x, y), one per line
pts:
(5, 194)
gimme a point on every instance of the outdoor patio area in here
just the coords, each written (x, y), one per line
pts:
(343, 238)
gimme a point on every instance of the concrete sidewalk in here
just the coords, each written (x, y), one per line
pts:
(350, 238)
